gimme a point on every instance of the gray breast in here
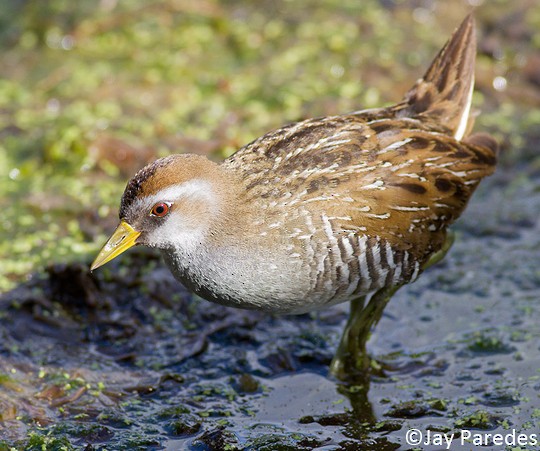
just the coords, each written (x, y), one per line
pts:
(230, 277)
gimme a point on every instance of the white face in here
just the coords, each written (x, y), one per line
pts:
(177, 216)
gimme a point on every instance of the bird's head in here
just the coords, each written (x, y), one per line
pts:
(170, 203)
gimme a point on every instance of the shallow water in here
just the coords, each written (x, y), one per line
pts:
(126, 358)
(115, 363)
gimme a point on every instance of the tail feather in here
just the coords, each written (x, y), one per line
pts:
(484, 141)
(445, 91)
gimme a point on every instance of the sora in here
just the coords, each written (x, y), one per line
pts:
(321, 211)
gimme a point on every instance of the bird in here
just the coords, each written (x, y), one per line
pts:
(322, 211)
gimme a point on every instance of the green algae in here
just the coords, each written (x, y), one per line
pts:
(88, 95)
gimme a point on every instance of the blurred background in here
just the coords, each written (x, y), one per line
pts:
(91, 91)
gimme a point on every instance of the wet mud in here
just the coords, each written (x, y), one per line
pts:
(126, 358)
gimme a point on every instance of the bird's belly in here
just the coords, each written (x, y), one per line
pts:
(293, 283)
(254, 284)
(290, 287)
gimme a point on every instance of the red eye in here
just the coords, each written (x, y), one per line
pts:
(160, 210)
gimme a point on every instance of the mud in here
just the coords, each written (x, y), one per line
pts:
(126, 358)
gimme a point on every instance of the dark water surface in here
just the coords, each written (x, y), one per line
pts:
(115, 362)
(127, 359)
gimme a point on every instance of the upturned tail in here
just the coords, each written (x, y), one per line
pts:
(445, 91)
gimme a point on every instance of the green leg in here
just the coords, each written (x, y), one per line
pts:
(347, 344)
(439, 255)
(351, 361)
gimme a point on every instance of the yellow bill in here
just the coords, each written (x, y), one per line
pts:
(121, 240)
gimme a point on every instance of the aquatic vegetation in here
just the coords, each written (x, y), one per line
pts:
(88, 94)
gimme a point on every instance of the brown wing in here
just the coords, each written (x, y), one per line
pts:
(403, 180)
(421, 183)
(403, 173)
